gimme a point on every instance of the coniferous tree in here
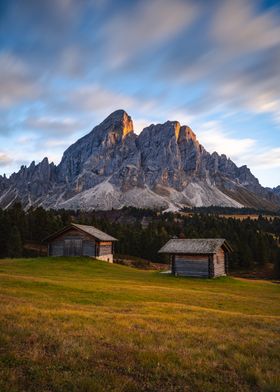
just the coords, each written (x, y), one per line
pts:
(14, 243)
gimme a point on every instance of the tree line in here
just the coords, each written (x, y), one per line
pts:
(142, 232)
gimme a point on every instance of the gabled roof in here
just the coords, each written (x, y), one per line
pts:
(91, 230)
(195, 246)
(96, 233)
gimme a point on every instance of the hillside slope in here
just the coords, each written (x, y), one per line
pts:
(82, 325)
(111, 167)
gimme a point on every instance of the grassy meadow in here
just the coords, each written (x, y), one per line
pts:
(84, 325)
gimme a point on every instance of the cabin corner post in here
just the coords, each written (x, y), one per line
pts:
(211, 272)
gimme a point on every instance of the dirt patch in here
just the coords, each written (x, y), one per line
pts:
(137, 262)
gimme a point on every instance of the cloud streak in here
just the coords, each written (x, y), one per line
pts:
(16, 83)
(215, 65)
(215, 139)
(144, 25)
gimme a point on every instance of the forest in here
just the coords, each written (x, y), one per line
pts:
(142, 232)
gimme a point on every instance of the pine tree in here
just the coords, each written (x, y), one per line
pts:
(15, 243)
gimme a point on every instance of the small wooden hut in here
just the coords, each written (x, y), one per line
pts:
(198, 257)
(81, 240)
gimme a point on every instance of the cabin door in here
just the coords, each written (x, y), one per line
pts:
(73, 247)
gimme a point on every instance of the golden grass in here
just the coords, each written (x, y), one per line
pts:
(83, 325)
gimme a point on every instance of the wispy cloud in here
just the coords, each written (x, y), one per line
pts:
(214, 138)
(16, 82)
(260, 158)
(66, 64)
(95, 98)
(266, 159)
(241, 30)
(145, 24)
(5, 160)
(52, 125)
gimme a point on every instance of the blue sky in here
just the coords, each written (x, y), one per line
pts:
(211, 64)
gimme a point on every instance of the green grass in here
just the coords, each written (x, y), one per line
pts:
(84, 325)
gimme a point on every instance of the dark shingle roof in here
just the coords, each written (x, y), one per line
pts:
(91, 230)
(195, 246)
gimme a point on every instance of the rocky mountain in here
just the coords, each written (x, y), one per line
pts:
(276, 190)
(111, 167)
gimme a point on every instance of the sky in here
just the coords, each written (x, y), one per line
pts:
(214, 65)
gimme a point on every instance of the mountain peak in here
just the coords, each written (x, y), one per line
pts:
(119, 113)
(120, 119)
(111, 167)
(187, 133)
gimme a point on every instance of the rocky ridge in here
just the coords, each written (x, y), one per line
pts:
(111, 167)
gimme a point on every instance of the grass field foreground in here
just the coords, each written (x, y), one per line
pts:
(84, 325)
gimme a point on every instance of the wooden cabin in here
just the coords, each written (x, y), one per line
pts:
(81, 240)
(207, 258)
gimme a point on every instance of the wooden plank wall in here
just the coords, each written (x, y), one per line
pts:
(56, 248)
(75, 243)
(72, 243)
(191, 257)
(72, 233)
(89, 248)
(198, 265)
(191, 265)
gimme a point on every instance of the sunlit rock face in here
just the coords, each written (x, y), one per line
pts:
(97, 150)
(111, 167)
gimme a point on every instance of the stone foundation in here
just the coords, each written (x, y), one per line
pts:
(108, 258)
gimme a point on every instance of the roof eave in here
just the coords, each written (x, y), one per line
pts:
(57, 233)
(110, 239)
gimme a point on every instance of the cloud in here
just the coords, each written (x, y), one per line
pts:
(263, 160)
(34, 149)
(145, 24)
(48, 18)
(266, 160)
(95, 98)
(254, 91)
(66, 64)
(52, 125)
(16, 83)
(5, 160)
(234, 60)
(97, 101)
(213, 138)
(72, 61)
(239, 29)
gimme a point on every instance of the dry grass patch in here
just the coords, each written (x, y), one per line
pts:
(82, 325)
